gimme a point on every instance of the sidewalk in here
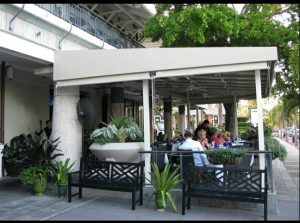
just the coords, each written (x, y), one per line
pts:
(292, 160)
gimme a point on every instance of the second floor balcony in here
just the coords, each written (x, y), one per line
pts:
(91, 23)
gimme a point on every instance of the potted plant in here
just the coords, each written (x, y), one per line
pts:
(60, 170)
(36, 177)
(225, 156)
(120, 140)
(13, 155)
(163, 182)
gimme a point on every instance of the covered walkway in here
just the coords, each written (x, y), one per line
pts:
(175, 75)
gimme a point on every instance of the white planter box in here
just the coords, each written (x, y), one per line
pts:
(118, 152)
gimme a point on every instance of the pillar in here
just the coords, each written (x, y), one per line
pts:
(261, 140)
(235, 119)
(152, 121)
(117, 101)
(167, 117)
(146, 106)
(231, 118)
(181, 111)
(197, 116)
(65, 124)
(188, 106)
(220, 114)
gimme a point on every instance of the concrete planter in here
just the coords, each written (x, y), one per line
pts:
(118, 152)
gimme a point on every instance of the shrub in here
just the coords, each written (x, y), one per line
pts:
(278, 150)
(222, 156)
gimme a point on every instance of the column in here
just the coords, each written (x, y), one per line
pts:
(188, 106)
(197, 116)
(65, 124)
(231, 118)
(1, 164)
(152, 121)
(235, 119)
(147, 134)
(167, 117)
(261, 141)
(220, 114)
(117, 101)
(181, 111)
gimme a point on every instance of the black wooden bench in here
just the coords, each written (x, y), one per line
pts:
(107, 175)
(229, 183)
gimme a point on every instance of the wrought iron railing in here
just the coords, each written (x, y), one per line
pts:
(92, 24)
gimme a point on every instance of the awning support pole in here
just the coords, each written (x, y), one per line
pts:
(147, 134)
(260, 120)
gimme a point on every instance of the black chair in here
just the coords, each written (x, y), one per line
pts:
(159, 158)
(246, 162)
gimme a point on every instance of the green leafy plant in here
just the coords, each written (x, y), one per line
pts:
(120, 129)
(60, 170)
(223, 156)
(278, 150)
(163, 182)
(28, 175)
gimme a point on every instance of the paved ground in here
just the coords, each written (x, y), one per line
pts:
(292, 160)
(17, 203)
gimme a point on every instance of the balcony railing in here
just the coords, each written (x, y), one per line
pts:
(94, 25)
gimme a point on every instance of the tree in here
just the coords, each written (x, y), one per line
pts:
(195, 25)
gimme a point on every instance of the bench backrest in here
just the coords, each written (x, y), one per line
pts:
(187, 163)
(227, 179)
(108, 171)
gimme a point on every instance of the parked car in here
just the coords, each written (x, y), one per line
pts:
(288, 132)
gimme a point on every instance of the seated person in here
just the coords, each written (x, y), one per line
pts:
(220, 138)
(227, 136)
(200, 159)
(160, 137)
(201, 137)
(212, 136)
(252, 135)
(205, 126)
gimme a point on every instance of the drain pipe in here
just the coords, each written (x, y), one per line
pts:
(10, 22)
(68, 33)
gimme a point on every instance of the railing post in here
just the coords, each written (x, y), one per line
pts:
(270, 167)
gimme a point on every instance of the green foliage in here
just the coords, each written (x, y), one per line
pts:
(278, 150)
(222, 156)
(60, 170)
(14, 153)
(120, 129)
(164, 181)
(205, 25)
(30, 150)
(28, 175)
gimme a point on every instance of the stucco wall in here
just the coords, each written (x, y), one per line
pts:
(26, 103)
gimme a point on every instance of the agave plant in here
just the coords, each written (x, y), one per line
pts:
(163, 182)
(120, 129)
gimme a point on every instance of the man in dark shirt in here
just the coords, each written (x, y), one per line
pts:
(48, 128)
(205, 126)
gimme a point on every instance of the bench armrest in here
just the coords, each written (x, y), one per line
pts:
(74, 173)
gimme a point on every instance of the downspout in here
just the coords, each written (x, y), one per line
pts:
(68, 33)
(10, 22)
